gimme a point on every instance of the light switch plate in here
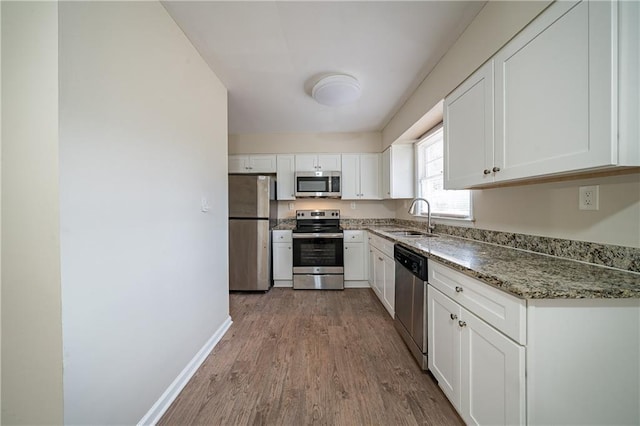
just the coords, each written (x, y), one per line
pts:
(589, 197)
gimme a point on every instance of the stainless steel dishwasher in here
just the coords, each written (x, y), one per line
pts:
(411, 301)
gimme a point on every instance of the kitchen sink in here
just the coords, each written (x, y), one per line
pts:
(416, 234)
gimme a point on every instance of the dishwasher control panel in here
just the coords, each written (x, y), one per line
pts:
(414, 262)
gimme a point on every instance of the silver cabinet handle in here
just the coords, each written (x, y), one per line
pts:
(458, 289)
(496, 169)
(462, 323)
(453, 316)
(486, 171)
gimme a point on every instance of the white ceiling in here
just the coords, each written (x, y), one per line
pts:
(269, 54)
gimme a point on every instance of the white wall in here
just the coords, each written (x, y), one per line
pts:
(31, 312)
(495, 25)
(365, 209)
(143, 136)
(292, 143)
(551, 210)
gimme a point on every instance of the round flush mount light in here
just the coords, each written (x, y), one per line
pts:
(336, 90)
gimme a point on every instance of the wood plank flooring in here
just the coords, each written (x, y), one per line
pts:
(310, 357)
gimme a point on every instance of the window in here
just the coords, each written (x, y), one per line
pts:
(444, 203)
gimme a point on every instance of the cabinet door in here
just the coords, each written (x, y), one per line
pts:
(444, 343)
(371, 266)
(378, 273)
(262, 163)
(306, 163)
(468, 131)
(369, 176)
(354, 262)
(282, 261)
(389, 284)
(492, 375)
(553, 93)
(386, 173)
(238, 164)
(328, 162)
(350, 177)
(285, 169)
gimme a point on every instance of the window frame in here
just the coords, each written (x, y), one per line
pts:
(420, 208)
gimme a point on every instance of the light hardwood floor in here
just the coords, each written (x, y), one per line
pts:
(310, 357)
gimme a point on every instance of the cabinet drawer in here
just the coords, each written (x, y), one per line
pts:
(374, 240)
(503, 311)
(353, 236)
(382, 244)
(282, 236)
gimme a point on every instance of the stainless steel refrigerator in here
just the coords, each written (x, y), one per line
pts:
(252, 214)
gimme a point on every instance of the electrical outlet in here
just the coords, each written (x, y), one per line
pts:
(291, 206)
(204, 204)
(353, 205)
(589, 197)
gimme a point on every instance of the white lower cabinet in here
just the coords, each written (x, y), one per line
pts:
(382, 271)
(492, 382)
(479, 369)
(444, 343)
(355, 259)
(505, 361)
(282, 252)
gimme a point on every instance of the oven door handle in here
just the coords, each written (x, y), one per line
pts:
(318, 235)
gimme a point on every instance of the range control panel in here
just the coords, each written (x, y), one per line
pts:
(317, 214)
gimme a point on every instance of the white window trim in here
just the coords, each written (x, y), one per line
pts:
(439, 217)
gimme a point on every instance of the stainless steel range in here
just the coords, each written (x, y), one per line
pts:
(318, 262)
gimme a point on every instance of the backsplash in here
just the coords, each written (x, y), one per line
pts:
(625, 258)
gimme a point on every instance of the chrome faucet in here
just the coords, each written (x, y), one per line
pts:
(430, 227)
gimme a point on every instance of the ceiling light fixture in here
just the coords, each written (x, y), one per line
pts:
(336, 90)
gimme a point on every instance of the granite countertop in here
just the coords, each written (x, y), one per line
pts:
(524, 274)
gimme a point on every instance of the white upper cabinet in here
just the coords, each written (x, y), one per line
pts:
(360, 176)
(553, 96)
(255, 163)
(285, 179)
(560, 91)
(468, 131)
(318, 162)
(397, 171)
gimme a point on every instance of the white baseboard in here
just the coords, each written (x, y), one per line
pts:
(283, 283)
(356, 284)
(162, 404)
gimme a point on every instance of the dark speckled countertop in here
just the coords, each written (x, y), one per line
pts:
(521, 273)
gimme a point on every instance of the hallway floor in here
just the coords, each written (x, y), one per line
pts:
(310, 357)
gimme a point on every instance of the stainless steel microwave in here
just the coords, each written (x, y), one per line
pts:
(318, 184)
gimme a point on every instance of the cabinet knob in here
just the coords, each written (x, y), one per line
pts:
(458, 289)
(462, 323)
(289, 248)
(486, 171)
(380, 259)
(453, 316)
(496, 169)
(346, 248)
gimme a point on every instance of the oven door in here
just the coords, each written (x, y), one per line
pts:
(318, 253)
